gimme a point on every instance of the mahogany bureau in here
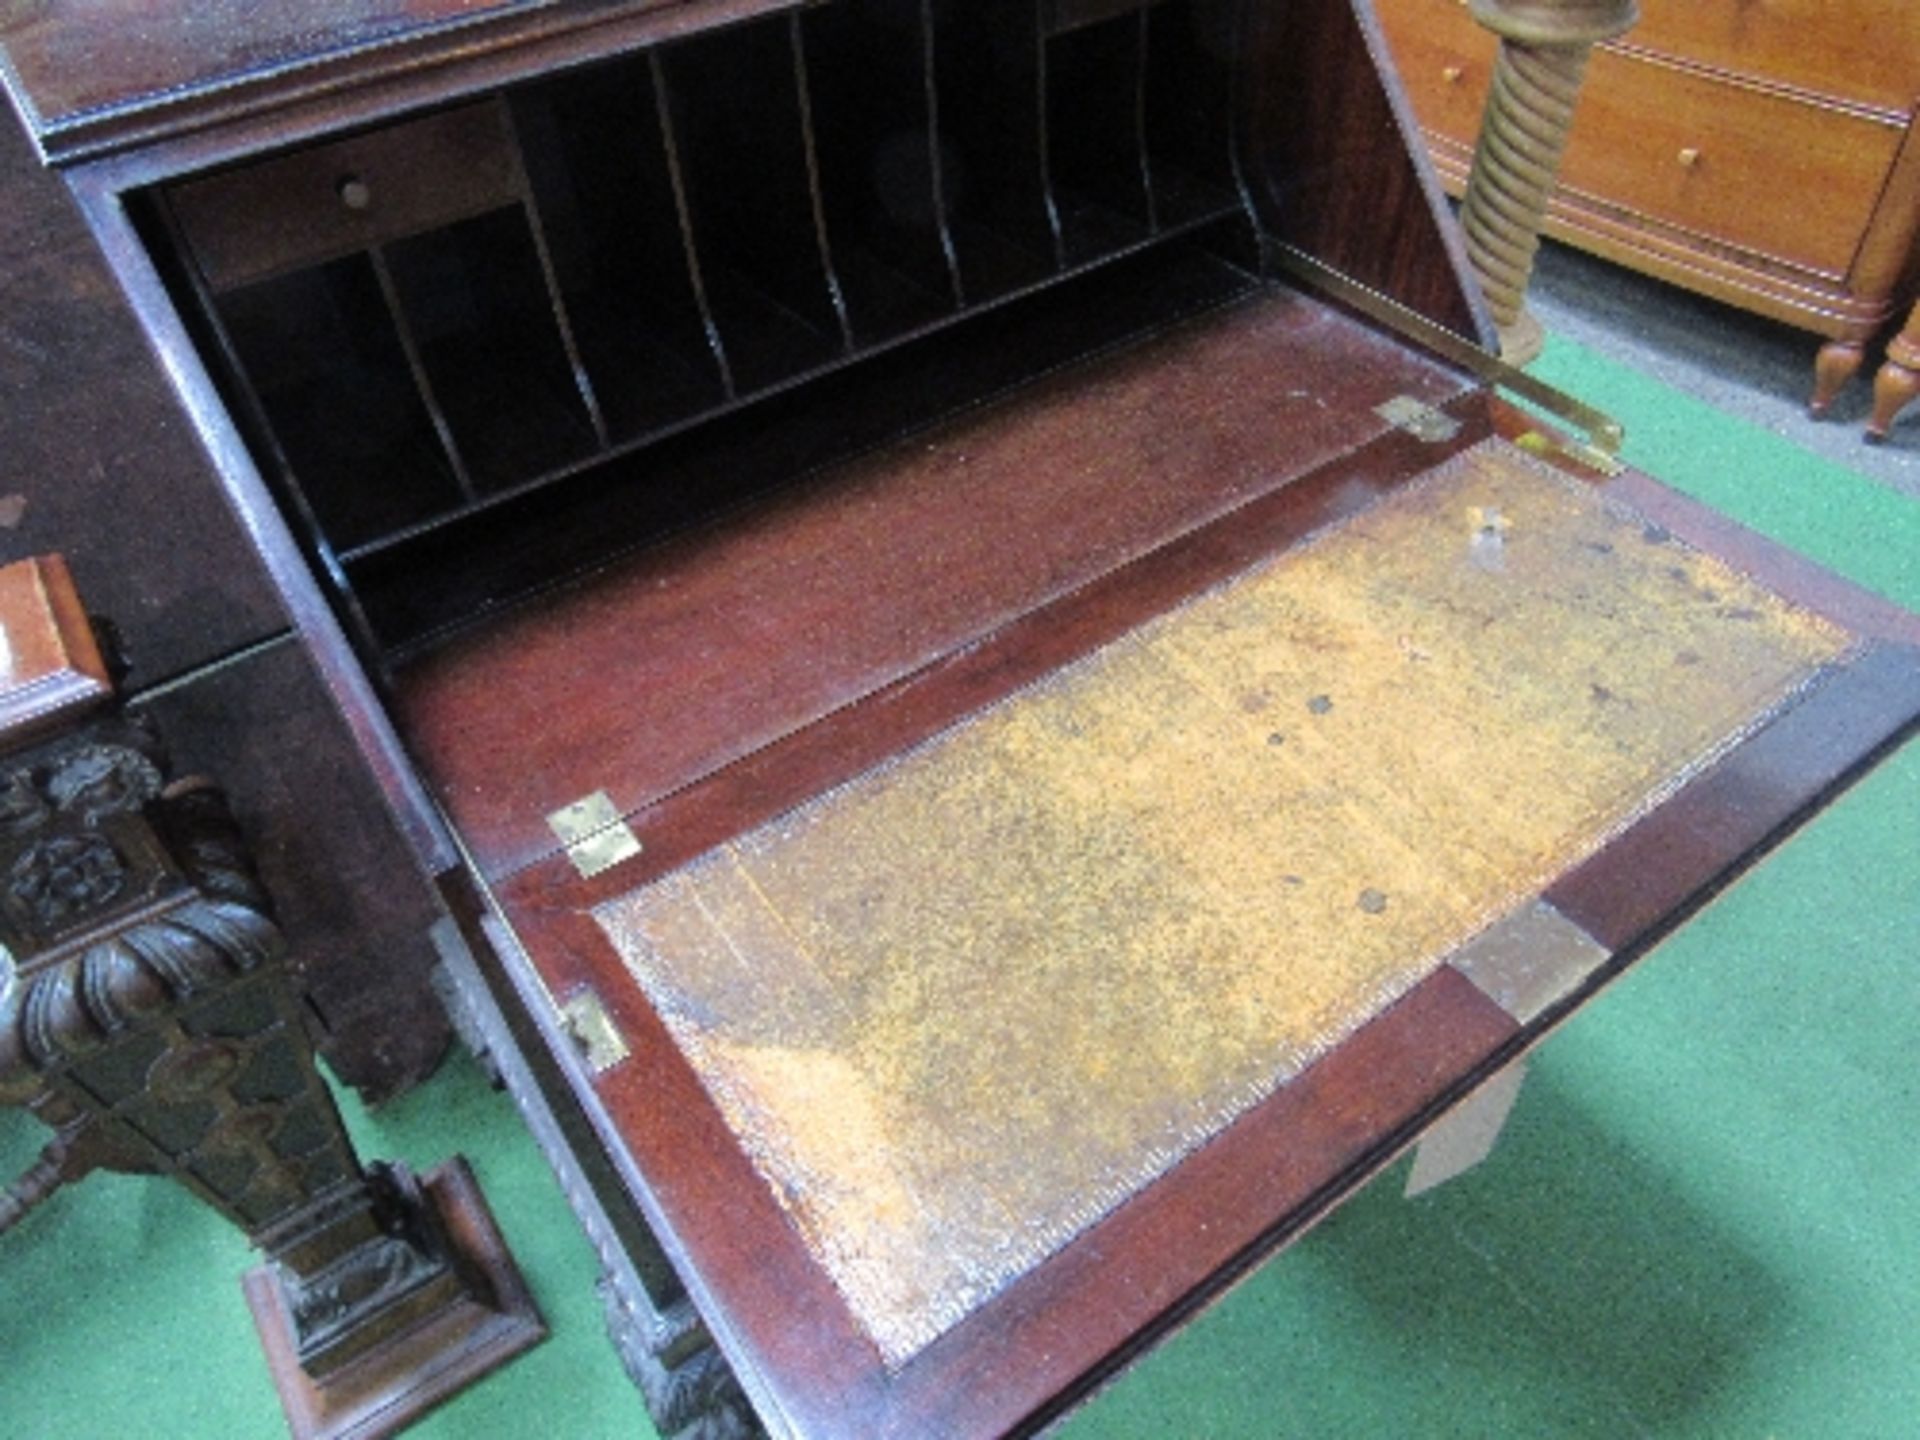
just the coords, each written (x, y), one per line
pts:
(1003, 710)
(1762, 152)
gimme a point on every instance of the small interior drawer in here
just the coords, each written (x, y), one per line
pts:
(1751, 167)
(329, 200)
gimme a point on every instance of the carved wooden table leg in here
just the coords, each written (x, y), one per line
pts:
(146, 1014)
(1544, 45)
(1899, 378)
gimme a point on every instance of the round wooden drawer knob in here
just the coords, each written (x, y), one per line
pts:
(1690, 157)
(354, 193)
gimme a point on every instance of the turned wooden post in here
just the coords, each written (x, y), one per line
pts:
(148, 1017)
(1544, 45)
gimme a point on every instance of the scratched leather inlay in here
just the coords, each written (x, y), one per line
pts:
(963, 1006)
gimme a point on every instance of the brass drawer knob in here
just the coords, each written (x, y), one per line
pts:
(1452, 74)
(1690, 157)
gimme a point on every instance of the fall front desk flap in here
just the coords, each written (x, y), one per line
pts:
(961, 1007)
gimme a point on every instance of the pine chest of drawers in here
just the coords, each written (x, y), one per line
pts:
(1762, 152)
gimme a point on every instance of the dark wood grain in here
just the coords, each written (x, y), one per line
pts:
(72, 60)
(852, 740)
(321, 85)
(1051, 1335)
(1326, 130)
(732, 672)
(688, 657)
(243, 495)
(350, 895)
(99, 464)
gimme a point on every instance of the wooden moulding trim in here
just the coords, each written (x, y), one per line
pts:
(212, 127)
(1052, 1335)
(52, 669)
(266, 529)
(493, 1319)
(1806, 299)
(849, 741)
(1888, 115)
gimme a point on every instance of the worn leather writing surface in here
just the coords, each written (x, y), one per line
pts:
(963, 1006)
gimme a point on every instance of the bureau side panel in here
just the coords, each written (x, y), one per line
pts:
(349, 893)
(98, 462)
(1331, 158)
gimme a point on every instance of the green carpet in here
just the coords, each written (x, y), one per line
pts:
(1702, 1220)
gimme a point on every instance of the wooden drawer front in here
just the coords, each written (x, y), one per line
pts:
(333, 199)
(1445, 60)
(1862, 50)
(1785, 177)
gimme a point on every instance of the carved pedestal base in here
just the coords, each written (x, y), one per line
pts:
(147, 1014)
(478, 1322)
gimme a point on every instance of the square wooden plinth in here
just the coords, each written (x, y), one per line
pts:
(391, 1386)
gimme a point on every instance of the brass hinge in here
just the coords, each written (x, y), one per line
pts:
(1600, 435)
(584, 1018)
(1418, 419)
(595, 834)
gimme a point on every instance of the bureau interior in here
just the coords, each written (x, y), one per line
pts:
(483, 348)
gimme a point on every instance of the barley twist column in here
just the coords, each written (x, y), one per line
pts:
(1544, 46)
